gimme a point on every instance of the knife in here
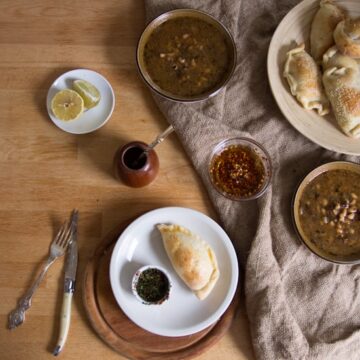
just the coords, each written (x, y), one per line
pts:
(69, 285)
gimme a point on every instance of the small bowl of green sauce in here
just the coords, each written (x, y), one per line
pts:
(151, 285)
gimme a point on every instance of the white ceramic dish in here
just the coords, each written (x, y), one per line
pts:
(295, 28)
(91, 119)
(183, 313)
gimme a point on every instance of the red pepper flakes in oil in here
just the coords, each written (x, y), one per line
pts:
(238, 171)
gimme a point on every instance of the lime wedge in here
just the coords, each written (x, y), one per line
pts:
(89, 93)
(67, 105)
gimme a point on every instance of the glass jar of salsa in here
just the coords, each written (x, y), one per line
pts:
(240, 169)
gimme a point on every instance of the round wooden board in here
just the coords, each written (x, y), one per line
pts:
(295, 29)
(119, 332)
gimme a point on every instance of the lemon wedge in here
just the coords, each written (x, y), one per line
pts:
(67, 105)
(89, 93)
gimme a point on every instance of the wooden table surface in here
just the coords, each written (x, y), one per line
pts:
(45, 172)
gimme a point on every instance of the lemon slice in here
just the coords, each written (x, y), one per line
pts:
(67, 105)
(89, 93)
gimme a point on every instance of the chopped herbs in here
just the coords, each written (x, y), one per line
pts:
(153, 286)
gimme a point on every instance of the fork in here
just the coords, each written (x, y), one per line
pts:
(57, 249)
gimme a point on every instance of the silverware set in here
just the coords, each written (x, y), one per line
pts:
(64, 241)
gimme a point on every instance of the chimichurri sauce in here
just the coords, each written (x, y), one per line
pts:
(152, 285)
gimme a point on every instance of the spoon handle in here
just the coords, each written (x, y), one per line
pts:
(160, 138)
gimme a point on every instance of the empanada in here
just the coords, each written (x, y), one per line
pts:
(322, 27)
(304, 78)
(342, 85)
(192, 258)
(347, 37)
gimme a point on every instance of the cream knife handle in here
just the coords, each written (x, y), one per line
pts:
(64, 322)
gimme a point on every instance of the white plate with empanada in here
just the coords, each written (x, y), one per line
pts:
(295, 29)
(183, 313)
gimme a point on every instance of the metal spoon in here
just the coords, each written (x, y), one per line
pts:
(159, 139)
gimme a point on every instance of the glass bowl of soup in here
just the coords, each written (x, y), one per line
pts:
(326, 212)
(186, 55)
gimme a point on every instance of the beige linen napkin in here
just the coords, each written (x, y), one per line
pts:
(299, 306)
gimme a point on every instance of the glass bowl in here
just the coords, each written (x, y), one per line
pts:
(176, 14)
(240, 169)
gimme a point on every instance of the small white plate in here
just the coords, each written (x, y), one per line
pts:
(91, 119)
(183, 313)
(295, 28)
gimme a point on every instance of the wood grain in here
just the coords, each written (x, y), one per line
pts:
(45, 172)
(125, 337)
(120, 324)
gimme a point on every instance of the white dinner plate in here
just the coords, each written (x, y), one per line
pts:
(295, 28)
(91, 119)
(183, 313)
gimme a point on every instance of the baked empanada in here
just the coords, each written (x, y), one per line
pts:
(304, 78)
(322, 27)
(347, 37)
(192, 258)
(342, 85)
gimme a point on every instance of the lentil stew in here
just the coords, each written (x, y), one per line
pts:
(329, 212)
(187, 56)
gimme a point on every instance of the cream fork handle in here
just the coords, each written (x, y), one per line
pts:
(17, 316)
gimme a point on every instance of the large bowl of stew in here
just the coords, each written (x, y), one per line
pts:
(326, 212)
(186, 55)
